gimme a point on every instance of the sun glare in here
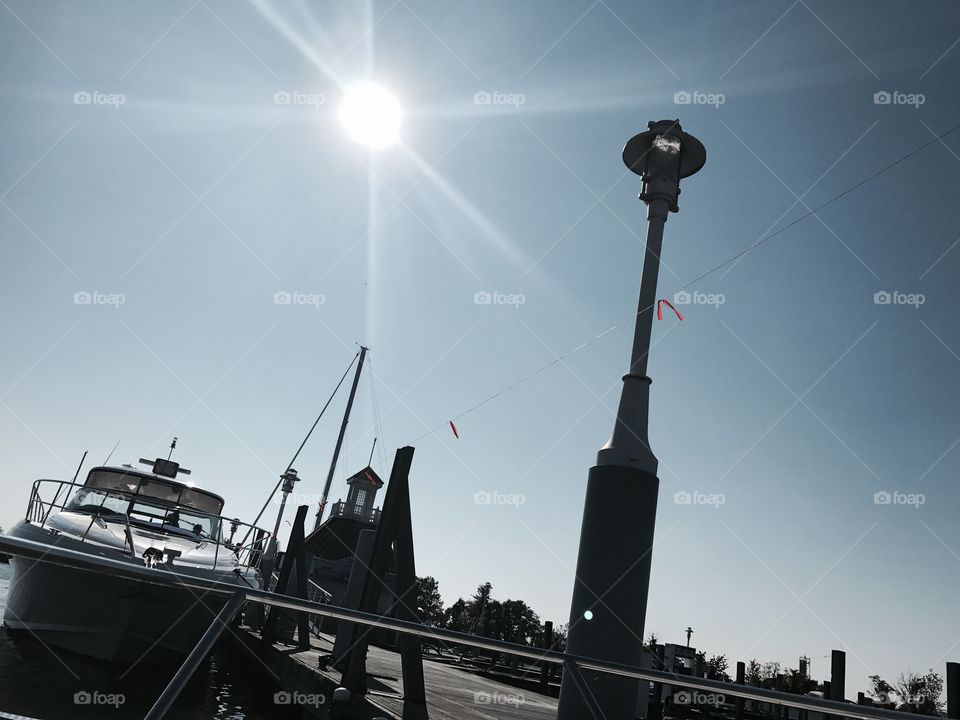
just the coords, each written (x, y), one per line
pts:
(371, 115)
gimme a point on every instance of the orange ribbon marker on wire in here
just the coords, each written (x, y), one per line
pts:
(670, 305)
(456, 433)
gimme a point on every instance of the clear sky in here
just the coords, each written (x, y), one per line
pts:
(186, 159)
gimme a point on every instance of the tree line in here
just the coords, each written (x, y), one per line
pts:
(482, 614)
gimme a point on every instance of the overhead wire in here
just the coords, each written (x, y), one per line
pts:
(698, 278)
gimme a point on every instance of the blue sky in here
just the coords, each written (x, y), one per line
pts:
(187, 188)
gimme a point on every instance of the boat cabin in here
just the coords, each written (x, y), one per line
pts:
(156, 500)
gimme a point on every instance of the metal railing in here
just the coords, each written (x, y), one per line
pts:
(315, 593)
(574, 664)
(39, 511)
(342, 509)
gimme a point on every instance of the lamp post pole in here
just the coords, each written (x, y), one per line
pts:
(616, 538)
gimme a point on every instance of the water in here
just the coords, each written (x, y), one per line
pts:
(40, 683)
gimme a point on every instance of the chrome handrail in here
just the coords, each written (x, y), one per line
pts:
(162, 575)
(39, 511)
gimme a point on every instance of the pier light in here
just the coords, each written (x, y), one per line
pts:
(620, 510)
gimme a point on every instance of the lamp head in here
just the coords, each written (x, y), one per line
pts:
(661, 156)
(289, 478)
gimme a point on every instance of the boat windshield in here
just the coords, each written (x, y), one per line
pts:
(145, 514)
(165, 491)
(178, 521)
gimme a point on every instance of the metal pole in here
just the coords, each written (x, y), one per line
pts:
(196, 656)
(343, 431)
(619, 515)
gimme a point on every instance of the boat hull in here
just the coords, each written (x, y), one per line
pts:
(103, 616)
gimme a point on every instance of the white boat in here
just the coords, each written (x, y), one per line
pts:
(143, 517)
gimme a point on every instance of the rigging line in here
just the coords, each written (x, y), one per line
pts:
(381, 456)
(847, 191)
(297, 453)
(818, 208)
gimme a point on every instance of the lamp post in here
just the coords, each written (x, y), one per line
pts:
(616, 538)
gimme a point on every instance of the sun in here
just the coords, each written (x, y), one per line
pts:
(371, 115)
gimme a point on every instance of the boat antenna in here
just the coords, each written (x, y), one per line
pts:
(343, 431)
(370, 460)
(77, 473)
(297, 453)
(69, 489)
(173, 446)
(112, 452)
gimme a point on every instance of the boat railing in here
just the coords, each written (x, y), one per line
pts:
(40, 508)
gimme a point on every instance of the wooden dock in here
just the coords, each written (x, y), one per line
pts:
(452, 693)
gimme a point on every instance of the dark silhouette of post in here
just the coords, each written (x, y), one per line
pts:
(838, 675)
(953, 690)
(616, 537)
(741, 679)
(347, 632)
(545, 667)
(395, 530)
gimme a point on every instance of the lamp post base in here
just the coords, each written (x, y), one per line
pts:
(610, 591)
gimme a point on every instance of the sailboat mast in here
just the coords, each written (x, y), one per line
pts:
(343, 430)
